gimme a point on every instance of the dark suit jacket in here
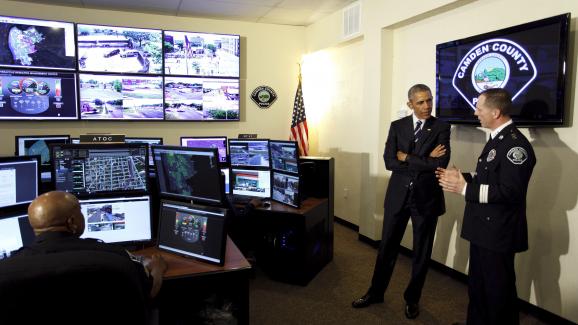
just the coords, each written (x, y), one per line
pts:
(495, 214)
(419, 168)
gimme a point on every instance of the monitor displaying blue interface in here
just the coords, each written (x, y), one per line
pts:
(249, 152)
(149, 142)
(189, 173)
(286, 189)
(19, 180)
(284, 156)
(35, 43)
(208, 142)
(193, 231)
(251, 183)
(15, 232)
(31, 145)
(117, 219)
(85, 169)
(225, 172)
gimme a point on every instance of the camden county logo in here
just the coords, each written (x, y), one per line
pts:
(494, 63)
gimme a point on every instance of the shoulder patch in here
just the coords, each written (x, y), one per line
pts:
(517, 155)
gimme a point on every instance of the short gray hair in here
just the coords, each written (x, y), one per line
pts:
(416, 89)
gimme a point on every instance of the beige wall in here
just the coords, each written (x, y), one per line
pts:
(269, 56)
(397, 48)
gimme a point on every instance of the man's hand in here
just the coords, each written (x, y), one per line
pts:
(401, 156)
(156, 266)
(438, 151)
(451, 179)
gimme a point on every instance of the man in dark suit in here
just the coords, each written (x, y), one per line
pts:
(415, 147)
(495, 213)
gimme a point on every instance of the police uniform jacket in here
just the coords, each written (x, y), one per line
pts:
(495, 213)
(417, 172)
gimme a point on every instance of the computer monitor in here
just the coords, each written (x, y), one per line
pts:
(27, 145)
(117, 219)
(149, 142)
(189, 173)
(208, 142)
(193, 231)
(284, 156)
(225, 172)
(249, 152)
(19, 180)
(251, 183)
(15, 232)
(286, 189)
(86, 169)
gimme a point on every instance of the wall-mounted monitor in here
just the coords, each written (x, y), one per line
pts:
(528, 60)
(15, 232)
(119, 49)
(251, 183)
(19, 180)
(286, 189)
(249, 152)
(190, 174)
(37, 95)
(87, 169)
(117, 219)
(208, 142)
(149, 142)
(284, 156)
(35, 43)
(39, 145)
(201, 99)
(108, 97)
(201, 54)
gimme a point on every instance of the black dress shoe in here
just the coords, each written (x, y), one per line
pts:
(411, 310)
(366, 300)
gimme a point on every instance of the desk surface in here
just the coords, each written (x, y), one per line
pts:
(305, 206)
(180, 266)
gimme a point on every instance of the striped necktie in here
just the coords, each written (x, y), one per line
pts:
(417, 130)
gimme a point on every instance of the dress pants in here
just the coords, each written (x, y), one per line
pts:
(424, 228)
(492, 288)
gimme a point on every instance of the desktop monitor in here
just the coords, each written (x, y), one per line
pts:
(86, 169)
(19, 180)
(15, 232)
(189, 173)
(284, 156)
(249, 152)
(251, 183)
(193, 231)
(149, 142)
(29, 145)
(286, 189)
(208, 142)
(117, 219)
(225, 172)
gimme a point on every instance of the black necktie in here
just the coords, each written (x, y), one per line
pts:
(417, 130)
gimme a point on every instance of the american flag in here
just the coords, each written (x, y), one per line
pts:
(299, 130)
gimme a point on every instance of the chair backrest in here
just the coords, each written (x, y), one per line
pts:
(74, 287)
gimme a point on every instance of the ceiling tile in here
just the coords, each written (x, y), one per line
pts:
(288, 16)
(218, 8)
(164, 6)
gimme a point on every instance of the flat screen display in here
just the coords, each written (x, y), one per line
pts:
(225, 172)
(119, 49)
(200, 99)
(107, 97)
(35, 43)
(30, 145)
(149, 142)
(286, 189)
(86, 169)
(119, 219)
(193, 231)
(19, 180)
(208, 142)
(189, 173)
(37, 95)
(284, 156)
(201, 54)
(250, 152)
(15, 232)
(251, 183)
(528, 60)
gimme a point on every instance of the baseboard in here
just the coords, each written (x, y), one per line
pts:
(541, 314)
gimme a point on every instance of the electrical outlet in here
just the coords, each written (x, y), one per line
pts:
(345, 193)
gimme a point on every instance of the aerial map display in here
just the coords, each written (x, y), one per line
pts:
(114, 173)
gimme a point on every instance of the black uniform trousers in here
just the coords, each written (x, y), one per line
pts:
(424, 228)
(492, 288)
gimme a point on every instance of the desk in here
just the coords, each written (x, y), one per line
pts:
(188, 277)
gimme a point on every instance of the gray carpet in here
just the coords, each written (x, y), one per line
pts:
(327, 298)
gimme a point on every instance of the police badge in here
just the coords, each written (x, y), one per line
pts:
(517, 155)
(491, 155)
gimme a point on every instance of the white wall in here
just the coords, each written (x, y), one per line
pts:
(269, 56)
(398, 47)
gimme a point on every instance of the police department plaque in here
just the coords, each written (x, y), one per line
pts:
(264, 96)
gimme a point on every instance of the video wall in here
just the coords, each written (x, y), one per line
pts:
(52, 70)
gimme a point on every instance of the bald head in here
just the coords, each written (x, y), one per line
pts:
(56, 211)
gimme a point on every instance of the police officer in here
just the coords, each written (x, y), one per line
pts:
(495, 213)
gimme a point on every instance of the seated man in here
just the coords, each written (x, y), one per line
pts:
(60, 256)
